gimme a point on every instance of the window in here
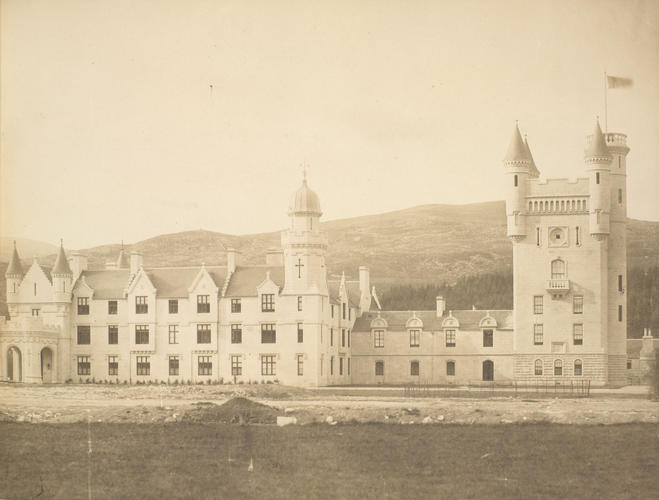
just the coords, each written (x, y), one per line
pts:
(343, 308)
(379, 368)
(537, 236)
(268, 333)
(203, 304)
(141, 305)
(332, 365)
(236, 365)
(268, 302)
(173, 365)
(84, 366)
(299, 303)
(113, 334)
(332, 310)
(84, 334)
(450, 368)
(343, 337)
(578, 368)
(414, 368)
(203, 334)
(619, 313)
(300, 365)
(236, 306)
(113, 365)
(537, 304)
(538, 334)
(348, 338)
(236, 334)
(83, 305)
(143, 365)
(558, 368)
(204, 365)
(415, 338)
(35, 312)
(516, 180)
(268, 366)
(578, 334)
(173, 306)
(488, 338)
(173, 334)
(378, 338)
(348, 366)
(331, 336)
(620, 289)
(619, 196)
(112, 307)
(629, 364)
(322, 359)
(450, 338)
(340, 366)
(557, 269)
(597, 177)
(141, 334)
(578, 235)
(538, 367)
(300, 333)
(577, 304)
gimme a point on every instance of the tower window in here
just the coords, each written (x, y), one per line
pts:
(620, 289)
(620, 196)
(578, 235)
(597, 177)
(537, 236)
(619, 313)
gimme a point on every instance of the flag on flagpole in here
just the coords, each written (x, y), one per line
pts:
(618, 82)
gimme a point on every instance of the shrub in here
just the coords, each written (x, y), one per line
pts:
(208, 381)
(221, 381)
(175, 381)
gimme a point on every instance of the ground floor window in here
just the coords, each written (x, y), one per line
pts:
(268, 365)
(578, 367)
(113, 365)
(300, 364)
(379, 368)
(205, 365)
(450, 368)
(332, 365)
(84, 365)
(558, 368)
(143, 365)
(173, 365)
(340, 366)
(414, 368)
(538, 367)
(488, 370)
(236, 365)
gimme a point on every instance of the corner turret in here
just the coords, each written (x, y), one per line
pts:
(14, 274)
(598, 164)
(62, 277)
(518, 164)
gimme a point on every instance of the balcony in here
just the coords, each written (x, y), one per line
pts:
(558, 287)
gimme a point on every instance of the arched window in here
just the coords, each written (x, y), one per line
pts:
(558, 269)
(558, 368)
(379, 368)
(450, 368)
(488, 370)
(538, 367)
(578, 368)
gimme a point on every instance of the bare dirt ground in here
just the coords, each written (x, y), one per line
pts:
(164, 404)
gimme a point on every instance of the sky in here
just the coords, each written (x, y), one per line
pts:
(122, 120)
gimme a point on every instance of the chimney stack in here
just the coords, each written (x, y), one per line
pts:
(441, 306)
(233, 258)
(136, 261)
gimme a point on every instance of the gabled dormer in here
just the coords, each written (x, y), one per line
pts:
(141, 298)
(267, 291)
(203, 293)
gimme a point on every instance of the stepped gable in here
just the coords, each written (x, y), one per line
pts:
(467, 318)
(245, 279)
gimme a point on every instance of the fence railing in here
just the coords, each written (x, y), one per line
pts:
(573, 388)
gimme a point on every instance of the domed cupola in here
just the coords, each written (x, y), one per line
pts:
(305, 201)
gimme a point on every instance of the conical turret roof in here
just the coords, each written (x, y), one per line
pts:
(61, 264)
(14, 268)
(597, 147)
(517, 151)
(534, 169)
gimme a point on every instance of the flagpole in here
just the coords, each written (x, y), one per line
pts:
(606, 110)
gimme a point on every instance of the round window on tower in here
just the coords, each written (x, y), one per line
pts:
(558, 237)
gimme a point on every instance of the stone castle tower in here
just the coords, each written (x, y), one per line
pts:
(569, 261)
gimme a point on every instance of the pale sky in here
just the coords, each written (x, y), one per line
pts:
(110, 129)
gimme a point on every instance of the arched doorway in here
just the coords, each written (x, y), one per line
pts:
(46, 365)
(14, 365)
(488, 370)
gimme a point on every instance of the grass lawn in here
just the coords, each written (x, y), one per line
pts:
(320, 461)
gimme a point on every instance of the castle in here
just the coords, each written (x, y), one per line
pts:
(285, 321)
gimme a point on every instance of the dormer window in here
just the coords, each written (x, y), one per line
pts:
(83, 305)
(203, 304)
(141, 304)
(268, 302)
